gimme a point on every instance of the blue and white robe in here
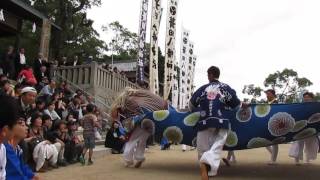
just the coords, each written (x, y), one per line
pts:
(212, 99)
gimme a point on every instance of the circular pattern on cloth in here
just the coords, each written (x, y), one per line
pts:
(244, 114)
(262, 110)
(173, 134)
(192, 119)
(258, 142)
(232, 139)
(305, 133)
(160, 115)
(281, 124)
(315, 118)
(300, 125)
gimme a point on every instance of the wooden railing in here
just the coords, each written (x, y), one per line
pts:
(102, 84)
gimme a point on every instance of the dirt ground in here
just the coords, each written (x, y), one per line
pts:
(177, 165)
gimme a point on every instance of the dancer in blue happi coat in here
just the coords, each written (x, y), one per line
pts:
(212, 128)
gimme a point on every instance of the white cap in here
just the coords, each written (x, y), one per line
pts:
(28, 89)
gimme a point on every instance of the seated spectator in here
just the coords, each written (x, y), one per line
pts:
(65, 89)
(7, 88)
(115, 138)
(60, 108)
(26, 76)
(40, 105)
(42, 83)
(75, 107)
(41, 148)
(61, 133)
(16, 168)
(17, 90)
(50, 110)
(46, 125)
(26, 101)
(73, 153)
(48, 89)
(70, 118)
(50, 133)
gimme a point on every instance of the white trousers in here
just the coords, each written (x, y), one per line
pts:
(210, 143)
(45, 151)
(135, 147)
(310, 147)
(273, 150)
(60, 146)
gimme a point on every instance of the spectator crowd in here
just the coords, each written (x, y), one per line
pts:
(50, 126)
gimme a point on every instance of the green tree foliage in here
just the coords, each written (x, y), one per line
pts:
(77, 36)
(124, 43)
(286, 83)
(124, 46)
(252, 91)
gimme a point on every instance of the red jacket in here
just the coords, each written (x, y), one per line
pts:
(27, 76)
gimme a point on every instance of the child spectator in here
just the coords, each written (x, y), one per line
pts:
(8, 119)
(89, 122)
(16, 167)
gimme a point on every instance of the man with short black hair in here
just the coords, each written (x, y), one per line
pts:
(212, 128)
(8, 118)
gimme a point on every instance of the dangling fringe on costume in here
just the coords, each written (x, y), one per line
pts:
(131, 102)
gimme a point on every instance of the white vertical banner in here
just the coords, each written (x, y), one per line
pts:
(184, 56)
(190, 73)
(155, 25)
(193, 69)
(170, 46)
(175, 86)
(142, 41)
